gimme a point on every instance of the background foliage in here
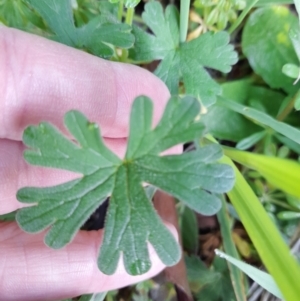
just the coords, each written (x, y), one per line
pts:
(250, 109)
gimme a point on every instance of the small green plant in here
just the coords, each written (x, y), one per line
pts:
(217, 14)
(188, 177)
(256, 114)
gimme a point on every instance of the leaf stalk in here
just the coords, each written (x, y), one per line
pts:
(288, 108)
(120, 10)
(242, 16)
(129, 15)
(184, 19)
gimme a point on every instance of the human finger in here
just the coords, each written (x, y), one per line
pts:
(29, 270)
(40, 80)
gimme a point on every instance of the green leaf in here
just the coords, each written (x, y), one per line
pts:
(293, 201)
(127, 3)
(93, 297)
(251, 140)
(189, 230)
(131, 3)
(294, 35)
(267, 45)
(288, 215)
(131, 219)
(226, 124)
(267, 240)
(209, 284)
(18, 15)
(297, 102)
(282, 173)
(291, 70)
(263, 119)
(182, 61)
(229, 246)
(272, 2)
(289, 143)
(260, 277)
(95, 36)
(198, 274)
(9, 216)
(297, 5)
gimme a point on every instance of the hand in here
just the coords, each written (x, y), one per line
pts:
(41, 80)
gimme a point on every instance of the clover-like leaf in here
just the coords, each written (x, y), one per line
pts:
(186, 61)
(94, 36)
(131, 220)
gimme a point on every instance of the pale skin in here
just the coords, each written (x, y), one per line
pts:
(41, 80)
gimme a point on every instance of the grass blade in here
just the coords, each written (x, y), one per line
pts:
(235, 273)
(262, 278)
(267, 240)
(262, 118)
(281, 173)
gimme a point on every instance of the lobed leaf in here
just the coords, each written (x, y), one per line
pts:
(131, 219)
(186, 61)
(94, 36)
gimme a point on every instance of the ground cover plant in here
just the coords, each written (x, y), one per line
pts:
(232, 68)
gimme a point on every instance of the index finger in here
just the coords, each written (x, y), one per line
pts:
(42, 80)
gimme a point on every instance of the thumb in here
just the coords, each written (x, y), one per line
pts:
(32, 271)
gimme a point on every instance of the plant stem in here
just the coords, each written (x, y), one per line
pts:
(184, 19)
(281, 204)
(120, 10)
(136, 18)
(129, 15)
(289, 108)
(128, 20)
(241, 17)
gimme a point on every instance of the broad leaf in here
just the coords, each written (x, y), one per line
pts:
(212, 284)
(267, 45)
(131, 220)
(94, 36)
(185, 61)
(223, 123)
